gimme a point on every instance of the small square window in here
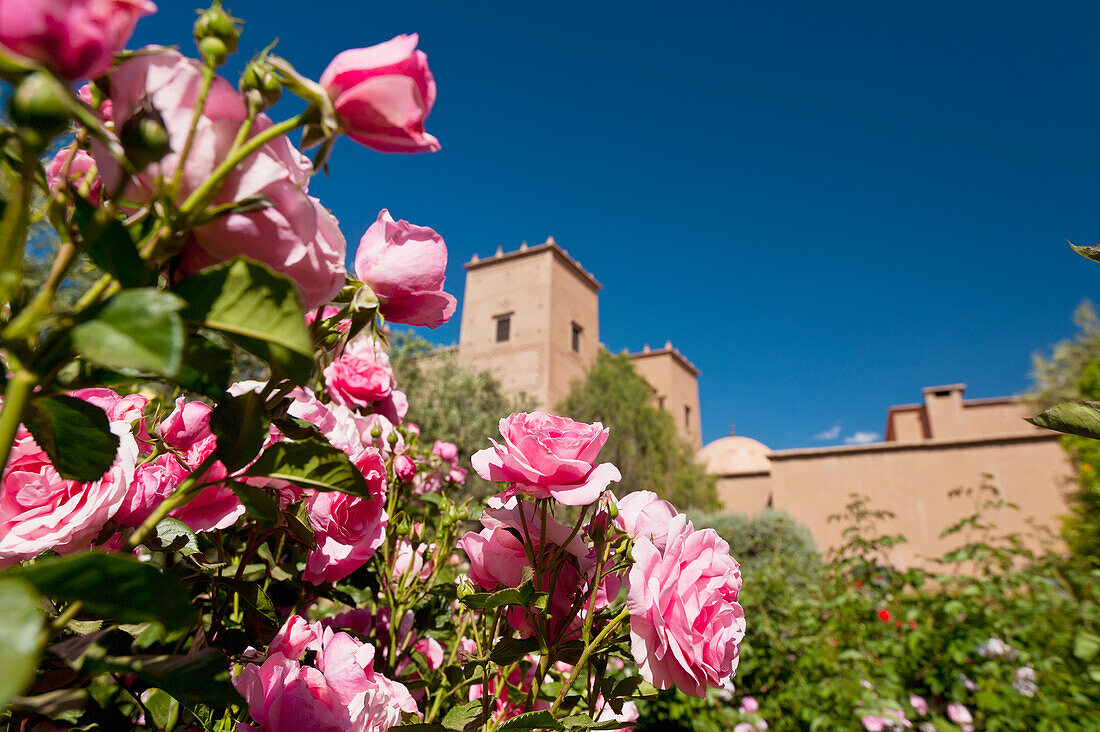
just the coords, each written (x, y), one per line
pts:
(577, 330)
(660, 402)
(504, 327)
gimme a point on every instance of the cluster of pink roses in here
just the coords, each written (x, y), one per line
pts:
(682, 585)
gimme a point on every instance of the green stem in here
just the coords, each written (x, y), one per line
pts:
(210, 186)
(16, 396)
(13, 230)
(196, 115)
(588, 649)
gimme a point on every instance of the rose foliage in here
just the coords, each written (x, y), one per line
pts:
(182, 550)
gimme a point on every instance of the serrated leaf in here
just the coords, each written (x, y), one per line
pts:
(311, 463)
(137, 330)
(298, 523)
(205, 367)
(1074, 418)
(463, 716)
(254, 307)
(20, 629)
(510, 650)
(176, 536)
(254, 597)
(240, 424)
(75, 434)
(541, 719)
(202, 677)
(1088, 252)
(635, 687)
(257, 501)
(112, 248)
(112, 586)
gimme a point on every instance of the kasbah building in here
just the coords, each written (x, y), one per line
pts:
(531, 317)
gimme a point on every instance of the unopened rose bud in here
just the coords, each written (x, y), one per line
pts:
(401, 526)
(612, 507)
(392, 438)
(404, 467)
(260, 83)
(38, 103)
(145, 137)
(217, 33)
(465, 586)
(376, 432)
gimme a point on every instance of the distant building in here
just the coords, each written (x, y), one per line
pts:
(532, 317)
(943, 443)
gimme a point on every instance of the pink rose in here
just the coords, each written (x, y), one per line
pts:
(642, 513)
(920, 706)
(296, 236)
(446, 451)
(545, 456)
(404, 467)
(152, 483)
(40, 510)
(959, 714)
(744, 727)
(749, 705)
(457, 475)
(187, 430)
(348, 529)
(340, 691)
(73, 38)
(82, 171)
(356, 382)
(405, 265)
(383, 94)
(685, 623)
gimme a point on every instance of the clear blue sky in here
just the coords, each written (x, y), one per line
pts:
(826, 206)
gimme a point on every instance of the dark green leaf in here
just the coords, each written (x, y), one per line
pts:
(297, 521)
(541, 719)
(75, 434)
(199, 678)
(510, 650)
(257, 501)
(240, 424)
(465, 716)
(206, 368)
(112, 586)
(635, 687)
(1075, 418)
(20, 626)
(164, 709)
(1089, 252)
(176, 536)
(311, 463)
(135, 331)
(112, 248)
(523, 596)
(254, 597)
(255, 308)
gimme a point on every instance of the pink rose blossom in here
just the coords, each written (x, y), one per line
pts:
(73, 38)
(749, 705)
(685, 623)
(40, 510)
(744, 727)
(405, 265)
(296, 236)
(920, 706)
(356, 382)
(959, 714)
(446, 451)
(545, 456)
(642, 513)
(152, 483)
(409, 561)
(404, 467)
(348, 529)
(327, 312)
(187, 430)
(341, 691)
(605, 713)
(82, 172)
(457, 475)
(382, 95)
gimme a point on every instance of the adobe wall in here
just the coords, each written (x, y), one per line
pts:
(913, 479)
(676, 386)
(572, 300)
(746, 494)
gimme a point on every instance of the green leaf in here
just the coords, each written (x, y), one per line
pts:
(75, 434)
(523, 596)
(465, 716)
(257, 501)
(135, 331)
(635, 687)
(298, 523)
(1089, 252)
(254, 307)
(201, 678)
(1086, 645)
(311, 463)
(113, 249)
(174, 535)
(240, 424)
(510, 650)
(1075, 418)
(20, 626)
(112, 586)
(206, 368)
(253, 597)
(541, 719)
(164, 709)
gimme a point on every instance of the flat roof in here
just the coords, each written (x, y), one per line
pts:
(669, 350)
(896, 446)
(527, 251)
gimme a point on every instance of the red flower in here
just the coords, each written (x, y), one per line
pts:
(913, 624)
(884, 616)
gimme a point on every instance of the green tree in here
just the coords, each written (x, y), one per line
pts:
(449, 401)
(643, 443)
(1056, 378)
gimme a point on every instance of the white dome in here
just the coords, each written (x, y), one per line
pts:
(734, 455)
